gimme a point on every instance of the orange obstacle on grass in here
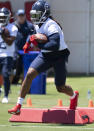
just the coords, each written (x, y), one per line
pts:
(29, 102)
(90, 103)
(59, 103)
(58, 115)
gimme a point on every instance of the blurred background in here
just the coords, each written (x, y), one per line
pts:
(77, 19)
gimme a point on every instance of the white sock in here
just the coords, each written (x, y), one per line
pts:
(20, 100)
(72, 97)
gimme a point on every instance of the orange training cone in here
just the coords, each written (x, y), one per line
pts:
(90, 103)
(29, 102)
(60, 103)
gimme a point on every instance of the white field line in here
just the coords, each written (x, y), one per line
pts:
(51, 127)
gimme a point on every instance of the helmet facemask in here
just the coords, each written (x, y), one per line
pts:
(4, 19)
(35, 16)
(38, 17)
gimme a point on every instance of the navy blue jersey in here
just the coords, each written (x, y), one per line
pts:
(24, 30)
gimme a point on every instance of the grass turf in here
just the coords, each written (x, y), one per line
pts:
(46, 101)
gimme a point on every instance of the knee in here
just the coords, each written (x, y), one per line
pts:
(5, 74)
(31, 74)
(6, 79)
(60, 89)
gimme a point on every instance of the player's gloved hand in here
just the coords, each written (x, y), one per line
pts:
(28, 47)
(33, 40)
(30, 44)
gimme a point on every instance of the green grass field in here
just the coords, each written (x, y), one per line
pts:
(46, 101)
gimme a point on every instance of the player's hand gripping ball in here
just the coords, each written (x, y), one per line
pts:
(34, 40)
(5, 32)
(41, 38)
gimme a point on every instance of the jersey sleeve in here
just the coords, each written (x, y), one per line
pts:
(52, 29)
(13, 31)
(31, 28)
(53, 43)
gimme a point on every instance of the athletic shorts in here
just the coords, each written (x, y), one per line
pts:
(44, 61)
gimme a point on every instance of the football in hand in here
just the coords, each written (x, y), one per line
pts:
(6, 32)
(41, 38)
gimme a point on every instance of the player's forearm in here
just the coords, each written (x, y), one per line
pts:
(53, 44)
(9, 40)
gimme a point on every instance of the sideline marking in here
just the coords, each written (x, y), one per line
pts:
(58, 127)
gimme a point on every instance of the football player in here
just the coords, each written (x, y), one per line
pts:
(8, 34)
(54, 53)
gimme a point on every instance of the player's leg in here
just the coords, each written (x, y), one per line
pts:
(60, 80)
(0, 76)
(31, 74)
(37, 66)
(19, 69)
(6, 72)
